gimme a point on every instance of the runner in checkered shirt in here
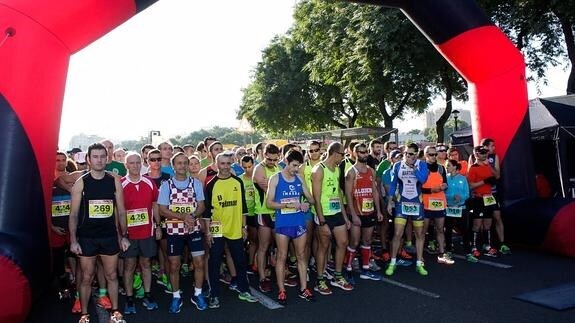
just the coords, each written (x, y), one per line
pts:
(181, 201)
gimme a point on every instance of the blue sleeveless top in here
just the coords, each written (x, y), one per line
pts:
(289, 192)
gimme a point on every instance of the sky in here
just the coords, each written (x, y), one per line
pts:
(179, 66)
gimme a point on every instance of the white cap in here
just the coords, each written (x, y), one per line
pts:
(80, 157)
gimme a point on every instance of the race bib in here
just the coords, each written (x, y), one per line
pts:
(60, 208)
(137, 217)
(410, 208)
(185, 208)
(489, 200)
(289, 210)
(99, 209)
(178, 228)
(367, 205)
(454, 211)
(334, 205)
(216, 229)
(436, 205)
(250, 194)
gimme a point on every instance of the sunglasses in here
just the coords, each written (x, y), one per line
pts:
(362, 151)
(314, 150)
(432, 154)
(272, 160)
(339, 152)
(155, 159)
(410, 154)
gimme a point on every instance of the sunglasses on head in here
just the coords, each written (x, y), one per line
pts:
(154, 159)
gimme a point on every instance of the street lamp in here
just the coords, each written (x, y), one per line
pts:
(455, 114)
(152, 134)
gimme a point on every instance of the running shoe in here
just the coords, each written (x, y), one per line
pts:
(246, 296)
(341, 282)
(410, 248)
(445, 259)
(390, 269)
(385, 256)
(226, 278)
(84, 318)
(354, 265)
(421, 270)
(175, 305)
(373, 266)
(252, 270)
(492, 253)
(137, 282)
(234, 286)
(307, 294)
(290, 281)
(150, 303)
(117, 317)
(328, 274)
(504, 250)
(185, 270)
(265, 285)
(77, 307)
(139, 293)
(330, 265)
(476, 253)
(156, 270)
(130, 308)
(104, 302)
(200, 302)
(282, 297)
(431, 248)
(214, 302)
(403, 263)
(322, 287)
(471, 258)
(292, 264)
(121, 290)
(370, 275)
(404, 254)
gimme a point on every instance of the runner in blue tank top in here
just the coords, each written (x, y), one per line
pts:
(285, 195)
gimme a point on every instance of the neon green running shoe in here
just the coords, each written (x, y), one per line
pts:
(390, 269)
(421, 270)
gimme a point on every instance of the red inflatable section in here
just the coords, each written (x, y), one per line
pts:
(560, 238)
(15, 294)
(489, 61)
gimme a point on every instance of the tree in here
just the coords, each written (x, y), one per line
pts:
(431, 133)
(541, 29)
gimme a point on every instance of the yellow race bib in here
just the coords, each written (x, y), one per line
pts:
(99, 209)
(436, 205)
(367, 205)
(137, 217)
(60, 208)
(216, 229)
(289, 210)
(186, 208)
(489, 200)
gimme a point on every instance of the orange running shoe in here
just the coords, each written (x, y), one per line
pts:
(403, 254)
(77, 308)
(104, 302)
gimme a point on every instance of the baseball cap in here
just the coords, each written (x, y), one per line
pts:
(480, 149)
(395, 153)
(74, 151)
(80, 157)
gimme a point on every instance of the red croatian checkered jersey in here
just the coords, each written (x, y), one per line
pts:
(182, 201)
(138, 199)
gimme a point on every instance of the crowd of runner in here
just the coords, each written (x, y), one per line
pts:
(126, 219)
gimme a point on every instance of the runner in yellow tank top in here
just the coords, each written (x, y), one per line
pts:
(331, 218)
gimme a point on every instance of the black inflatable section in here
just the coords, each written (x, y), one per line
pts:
(22, 197)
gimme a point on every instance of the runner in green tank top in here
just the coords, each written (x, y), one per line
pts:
(331, 218)
(247, 163)
(262, 173)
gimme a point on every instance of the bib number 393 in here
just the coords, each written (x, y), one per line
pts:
(216, 229)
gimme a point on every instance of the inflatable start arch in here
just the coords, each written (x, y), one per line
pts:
(38, 37)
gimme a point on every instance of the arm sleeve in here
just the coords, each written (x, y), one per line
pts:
(208, 199)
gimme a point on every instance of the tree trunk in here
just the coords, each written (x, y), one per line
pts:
(439, 125)
(567, 27)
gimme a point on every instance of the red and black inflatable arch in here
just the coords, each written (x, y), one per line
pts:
(38, 37)
(495, 72)
(36, 41)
